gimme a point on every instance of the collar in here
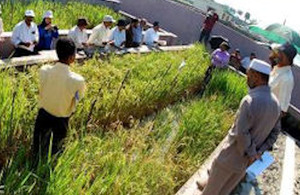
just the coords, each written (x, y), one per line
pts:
(281, 69)
(263, 88)
(62, 66)
(24, 23)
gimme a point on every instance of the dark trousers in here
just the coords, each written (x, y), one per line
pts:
(205, 34)
(19, 52)
(47, 126)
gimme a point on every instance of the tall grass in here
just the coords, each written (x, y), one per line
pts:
(155, 157)
(138, 155)
(146, 90)
(65, 15)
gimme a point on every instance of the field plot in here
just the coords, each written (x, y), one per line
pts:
(155, 155)
(65, 15)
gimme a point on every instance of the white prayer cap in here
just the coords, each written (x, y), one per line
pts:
(108, 18)
(29, 13)
(48, 14)
(260, 66)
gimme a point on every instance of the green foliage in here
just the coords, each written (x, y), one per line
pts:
(65, 15)
(157, 155)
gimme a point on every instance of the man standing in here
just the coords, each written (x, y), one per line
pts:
(100, 35)
(248, 138)
(60, 90)
(79, 35)
(281, 78)
(25, 36)
(208, 25)
(118, 35)
(151, 35)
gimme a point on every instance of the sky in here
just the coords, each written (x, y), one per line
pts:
(270, 11)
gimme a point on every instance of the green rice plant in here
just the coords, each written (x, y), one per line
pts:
(20, 93)
(156, 156)
(65, 15)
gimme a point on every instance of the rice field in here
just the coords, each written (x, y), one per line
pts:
(65, 15)
(155, 154)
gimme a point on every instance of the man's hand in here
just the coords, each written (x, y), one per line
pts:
(48, 27)
(27, 44)
(254, 158)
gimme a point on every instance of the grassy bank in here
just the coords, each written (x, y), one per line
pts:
(65, 15)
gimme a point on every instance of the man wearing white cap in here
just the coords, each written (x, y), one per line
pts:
(47, 32)
(248, 137)
(25, 36)
(100, 35)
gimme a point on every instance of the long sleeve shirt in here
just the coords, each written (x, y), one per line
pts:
(24, 33)
(78, 36)
(60, 89)
(46, 38)
(256, 118)
(99, 35)
(282, 84)
(118, 37)
(220, 58)
(151, 36)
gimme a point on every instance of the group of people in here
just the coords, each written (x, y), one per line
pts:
(28, 38)
(257, 123)
(221, 58)
(258, 120)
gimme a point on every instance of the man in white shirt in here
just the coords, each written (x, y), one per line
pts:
(100, 36)
(25, 36)
(118, 35)
(246, 62)
(79, 35)
(151, 35)
(281, 78)
(60, 90)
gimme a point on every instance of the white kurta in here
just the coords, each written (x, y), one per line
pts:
(282, 84)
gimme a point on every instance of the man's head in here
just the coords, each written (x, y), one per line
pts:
(66, 50)
(252, 56)
(143, 22)
(283, 55)
(156, 26)
(121, 24)
(258, 73)
(108, 21)
(134, 23)
(82, 23)
(29, 16)
(224, 46)
(237, 51)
